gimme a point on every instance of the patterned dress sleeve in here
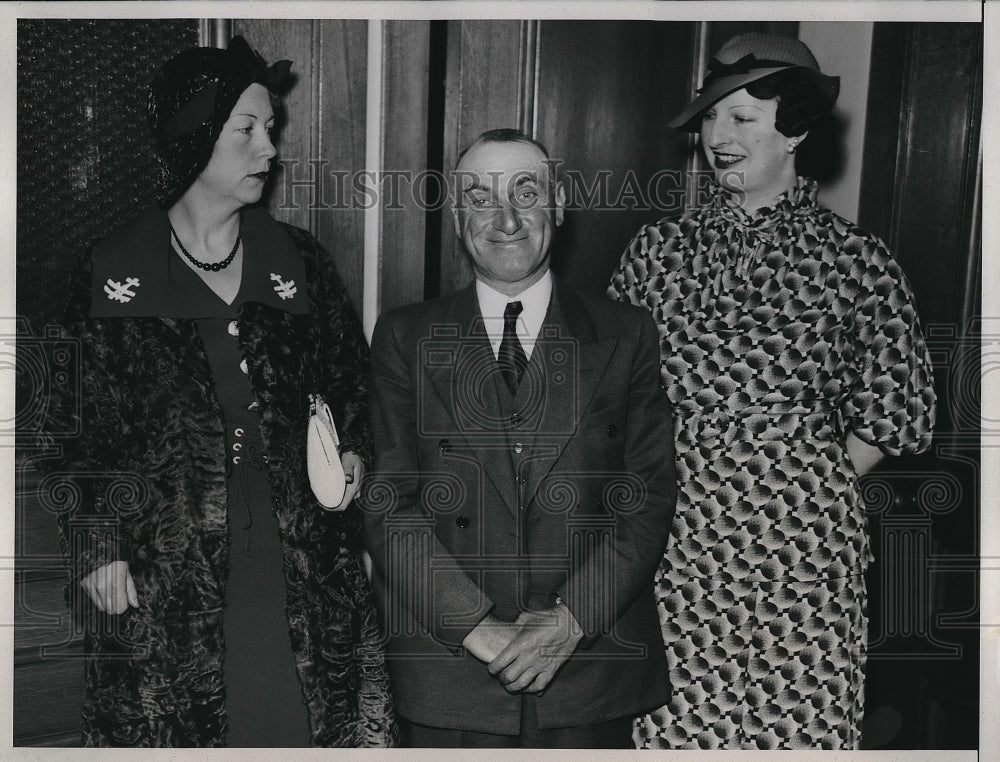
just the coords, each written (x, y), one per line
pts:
(891, 402)
(635, 280)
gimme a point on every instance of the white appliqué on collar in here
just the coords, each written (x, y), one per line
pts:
(121, 292)
(284, 289)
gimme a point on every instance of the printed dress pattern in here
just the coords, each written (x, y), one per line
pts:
(780, 333)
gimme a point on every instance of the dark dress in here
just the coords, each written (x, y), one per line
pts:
(780, 334)
(264, 704)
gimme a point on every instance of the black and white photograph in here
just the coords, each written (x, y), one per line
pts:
(554, 377)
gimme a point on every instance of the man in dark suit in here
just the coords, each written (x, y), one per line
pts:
(523, 487)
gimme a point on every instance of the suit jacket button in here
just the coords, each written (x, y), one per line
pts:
(462, 522)
(613, 430)
(445, 446)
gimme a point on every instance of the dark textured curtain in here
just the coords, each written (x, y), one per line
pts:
(84, 153)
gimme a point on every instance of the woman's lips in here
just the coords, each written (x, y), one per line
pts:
(724, 160)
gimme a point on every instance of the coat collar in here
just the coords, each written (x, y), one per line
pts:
(137, 273)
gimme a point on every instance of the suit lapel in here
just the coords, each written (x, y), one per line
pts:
(467, 388)
(571, 361)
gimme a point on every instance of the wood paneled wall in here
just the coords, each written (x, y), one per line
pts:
(605, 93)
(406, 86)
(323, 132)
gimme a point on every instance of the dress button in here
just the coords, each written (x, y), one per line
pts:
(236, 459)
(462, 522)
(238, 432)
(518, 447)
(237, 446)
(234, 330)
(613, 430)
(244, 368)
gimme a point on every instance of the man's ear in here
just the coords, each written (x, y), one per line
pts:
(560, 199)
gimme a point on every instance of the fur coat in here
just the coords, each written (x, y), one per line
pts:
(149, 468)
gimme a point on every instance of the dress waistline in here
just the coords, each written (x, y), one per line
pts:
(759, 423)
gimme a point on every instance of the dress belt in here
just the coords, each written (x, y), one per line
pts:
(759, 423)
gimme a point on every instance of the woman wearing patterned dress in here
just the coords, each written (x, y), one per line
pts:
(224, 605)
(792, 354)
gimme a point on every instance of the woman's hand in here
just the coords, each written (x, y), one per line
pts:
(354, 472)
(111, 588)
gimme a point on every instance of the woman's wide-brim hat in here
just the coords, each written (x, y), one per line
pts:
(191, 98)
(747, 58)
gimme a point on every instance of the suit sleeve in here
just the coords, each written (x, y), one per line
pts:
(421, 576)
(617, 570)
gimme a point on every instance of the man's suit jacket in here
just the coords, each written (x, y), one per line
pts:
(483, 503)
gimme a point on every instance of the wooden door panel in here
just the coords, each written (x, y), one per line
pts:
(605, 94)
(921, 193)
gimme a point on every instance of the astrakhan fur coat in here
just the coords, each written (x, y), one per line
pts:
(150, 477)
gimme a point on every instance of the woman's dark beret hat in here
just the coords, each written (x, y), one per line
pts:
(747, 58)
(191, 97)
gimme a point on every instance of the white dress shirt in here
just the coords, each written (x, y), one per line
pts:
(535, 303)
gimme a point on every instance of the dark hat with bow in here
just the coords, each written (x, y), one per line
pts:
(746, 58)
(191, 97)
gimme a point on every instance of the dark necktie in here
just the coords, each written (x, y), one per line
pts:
(511, 357)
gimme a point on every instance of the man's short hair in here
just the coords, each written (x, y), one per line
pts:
(510, 135)
(503, 135)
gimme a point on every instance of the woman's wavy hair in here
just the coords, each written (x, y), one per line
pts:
(800, 102)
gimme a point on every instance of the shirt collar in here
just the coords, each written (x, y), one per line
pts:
(534, 301)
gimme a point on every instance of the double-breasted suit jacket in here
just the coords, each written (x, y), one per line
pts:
(483, 502)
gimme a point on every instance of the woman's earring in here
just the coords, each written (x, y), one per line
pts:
(792, 145)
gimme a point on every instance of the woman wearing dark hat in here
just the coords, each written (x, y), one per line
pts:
(234, 608)
(792, 353)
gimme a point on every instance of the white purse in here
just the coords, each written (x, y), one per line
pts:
(326, 474)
